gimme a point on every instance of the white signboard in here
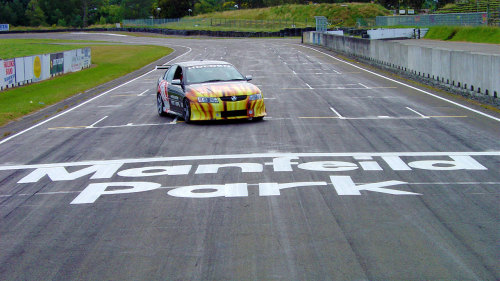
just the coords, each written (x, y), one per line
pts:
(9, 72)
(20, 70)
(2, 75)
(28, 69)
(4, 27)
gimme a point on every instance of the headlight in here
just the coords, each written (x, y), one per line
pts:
(256, 97)
(207, 100)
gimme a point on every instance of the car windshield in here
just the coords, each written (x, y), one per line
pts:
(212, 73)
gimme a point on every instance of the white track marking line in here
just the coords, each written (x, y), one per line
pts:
(92, 126)
(142, 94)
(129, 125)
(90, 100)
(377, 118)
(418, 113)
(338, 88)
(459, 183)
(310, 88)
(364, 86)
(338, 114)
(406, 85)
(105, 106)
(174, 121)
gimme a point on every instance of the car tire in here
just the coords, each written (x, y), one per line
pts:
(160, 105)
(187, 111)
(258, 119)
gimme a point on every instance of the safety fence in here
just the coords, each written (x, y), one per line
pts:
(24, 70)
(468, 19)
(219, 24)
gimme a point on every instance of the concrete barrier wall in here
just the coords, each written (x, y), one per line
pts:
(19, 71)
(476, 73)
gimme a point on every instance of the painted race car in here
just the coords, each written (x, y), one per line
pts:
(208, 90)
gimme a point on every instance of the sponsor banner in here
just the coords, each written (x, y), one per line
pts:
(2, 83)
(56, 64)
(70, 62)
(86, 57)
(41, 67)
(20, 70)
(4, 27)
(36, 68)
(28, 69)
(9, 72)
(76, 60)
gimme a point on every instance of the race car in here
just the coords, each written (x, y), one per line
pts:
(208, 90)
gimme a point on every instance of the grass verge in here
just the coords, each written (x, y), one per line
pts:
(482, 34)
(14, 48)
(109, 62)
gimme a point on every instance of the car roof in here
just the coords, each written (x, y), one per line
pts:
(201, 62)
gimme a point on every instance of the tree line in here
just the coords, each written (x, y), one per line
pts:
(82, 13)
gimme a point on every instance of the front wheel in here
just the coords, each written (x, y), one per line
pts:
(160, 105)
(187, 111)
(258, 119)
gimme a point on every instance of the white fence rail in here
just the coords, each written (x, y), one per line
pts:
(24, 70)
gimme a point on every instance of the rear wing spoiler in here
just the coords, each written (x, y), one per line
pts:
(162, 67)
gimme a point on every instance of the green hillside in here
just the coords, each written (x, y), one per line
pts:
(471, 6)
(344, 14)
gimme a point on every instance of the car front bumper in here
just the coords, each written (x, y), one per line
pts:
(227, 110)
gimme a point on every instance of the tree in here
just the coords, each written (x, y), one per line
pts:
(35, 14)
(137, 9)
(6, 13)
(174, 8)
(415, 4)
(208, 6)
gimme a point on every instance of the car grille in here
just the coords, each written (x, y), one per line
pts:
(233, 113)
(230, 98)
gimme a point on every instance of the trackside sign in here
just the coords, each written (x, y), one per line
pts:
(127, 176)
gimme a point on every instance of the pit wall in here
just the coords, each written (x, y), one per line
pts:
(475, 74)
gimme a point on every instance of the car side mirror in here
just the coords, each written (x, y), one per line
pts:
(176, 82)
(248, 77)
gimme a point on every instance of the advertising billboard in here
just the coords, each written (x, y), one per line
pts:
(56, 64)
(22, 70)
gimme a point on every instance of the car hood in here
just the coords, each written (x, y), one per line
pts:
(221, 89)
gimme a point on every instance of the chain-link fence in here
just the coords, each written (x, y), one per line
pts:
(469, 19)
(219, 24)
(149, 22)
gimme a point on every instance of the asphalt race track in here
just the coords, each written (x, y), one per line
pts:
(351, 176)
